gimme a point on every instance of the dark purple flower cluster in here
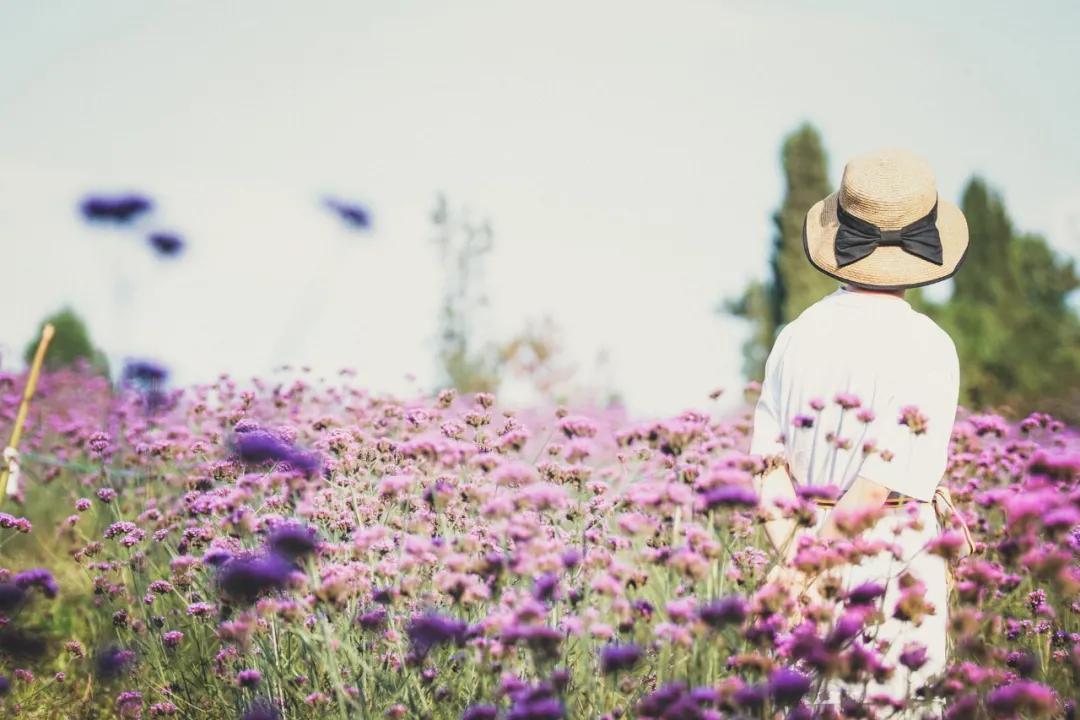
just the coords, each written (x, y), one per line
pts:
(145, 372)
(261, 710)
(165, 244)
(731, 610)
(258, 446)
(616, 658)
(677, 702)
(354, 215)
(37, 578)
(11, 596)
(788, 686)
(115, 208)
(538, 702)
(113, 660)
(428, 631)
(729, 496)
(292, 541)
(246, 579)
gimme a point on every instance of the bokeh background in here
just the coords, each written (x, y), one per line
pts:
(579, 200)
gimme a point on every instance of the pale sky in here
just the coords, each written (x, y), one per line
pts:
(625, 152)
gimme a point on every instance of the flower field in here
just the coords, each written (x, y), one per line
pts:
(310, 549)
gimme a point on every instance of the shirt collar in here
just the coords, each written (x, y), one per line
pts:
(856, 297)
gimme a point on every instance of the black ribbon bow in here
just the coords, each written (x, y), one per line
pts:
(857, 238)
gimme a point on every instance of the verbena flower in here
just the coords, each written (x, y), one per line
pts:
(165, 244)
(246, 579)
(617, 658)
(292, 540)
(39, 578)
(113, 660)
(115, 208)
(431, 630)
(354, 214)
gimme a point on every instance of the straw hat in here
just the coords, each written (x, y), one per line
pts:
(886, 228)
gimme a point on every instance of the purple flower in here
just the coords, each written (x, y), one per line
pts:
(548, 708)
(373, 620)
(20, 644)
(657, 703)
(145, 371)
(246, 579)
(545, 586)
(751, 696)
(787, 686)
(166, 244)
(39, 578)
(292, 540)
(571, 558)
(865, 594)
(261, 710)
(803, 421)
(913, 657)
(354, 215)
(259, 446)
(248, 678)
(616, 658)
(1022, 695)
(216, 557)
(847, 627)
(113, 660)
(847, 401)
(480, 712)
(11, 596)
(731, 610)
(116, 208)
(428, 631)
(5, 686)
(729, 496)
(256, 446)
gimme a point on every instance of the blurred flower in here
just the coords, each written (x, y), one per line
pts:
(430, 630)
(37, 578)
(248, 678)
(246, 579)
(145, 372)
(166, 244)
(261, 710)
(731, 496)
(112, 661)
(731, 610)
(480, 712)
(1022, 696)
(11, 596)
(354, 215)
(616, 658)
(115, 208)
(788, 686)
(292, 540)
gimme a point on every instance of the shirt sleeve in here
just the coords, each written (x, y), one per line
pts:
(913, 425)
(767, 436)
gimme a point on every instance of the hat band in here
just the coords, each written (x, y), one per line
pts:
(856, 238)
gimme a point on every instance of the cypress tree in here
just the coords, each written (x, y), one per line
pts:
(793, 284)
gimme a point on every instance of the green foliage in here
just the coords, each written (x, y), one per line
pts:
(70, 343)
(793, 284)
(1018, 340)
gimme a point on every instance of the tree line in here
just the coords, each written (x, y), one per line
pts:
(1008, 312)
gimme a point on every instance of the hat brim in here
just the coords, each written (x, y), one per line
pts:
(890, 267)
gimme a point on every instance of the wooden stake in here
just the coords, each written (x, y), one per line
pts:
(10, 453)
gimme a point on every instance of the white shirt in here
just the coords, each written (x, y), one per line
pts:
(876, 347)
